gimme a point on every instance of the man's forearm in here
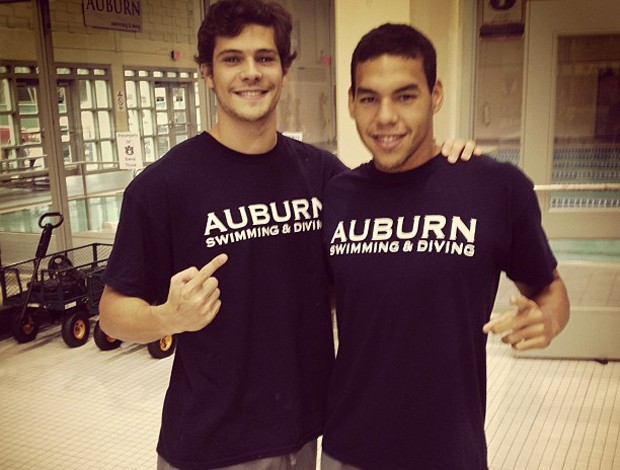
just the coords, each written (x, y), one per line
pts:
(553, 301)
(129, 318)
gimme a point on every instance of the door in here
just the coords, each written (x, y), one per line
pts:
(173, 118)
(571, 136)
(66, 111)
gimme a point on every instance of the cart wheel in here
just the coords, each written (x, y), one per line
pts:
(76, 328)
(25, 327)
(103, 341)
(162, 348)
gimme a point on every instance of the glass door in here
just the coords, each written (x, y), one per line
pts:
(172, 114)
(24, 179)
(163, 107)
(66, 111)
(571, 127)
(180, 115)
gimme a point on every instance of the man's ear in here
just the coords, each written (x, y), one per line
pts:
(205, 73)
(351, 103)
(437, 96)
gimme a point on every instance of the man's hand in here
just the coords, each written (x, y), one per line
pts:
(526, 328)
(455, 148)
(193, 298)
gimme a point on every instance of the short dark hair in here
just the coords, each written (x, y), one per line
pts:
(228, 18)
(400, 40)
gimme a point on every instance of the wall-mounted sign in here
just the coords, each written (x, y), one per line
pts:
(120, 100)
(129, 151)
(125, 15)
(503, 18)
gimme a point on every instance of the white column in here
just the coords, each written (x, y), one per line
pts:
(353, 19)
(52, 144)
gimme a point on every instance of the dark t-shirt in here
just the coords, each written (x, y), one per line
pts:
(416, 259)
(253, 383)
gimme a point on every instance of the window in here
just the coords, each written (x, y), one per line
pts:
(20, 127)
(163, 107)
(85, 105)
(587, 125)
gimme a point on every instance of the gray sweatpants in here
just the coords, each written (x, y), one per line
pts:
(329, 463)
(304, 459)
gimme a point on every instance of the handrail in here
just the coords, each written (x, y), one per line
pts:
(84, 162)
(42, 201)
(8, 169)
(577, 187)
(115, 192)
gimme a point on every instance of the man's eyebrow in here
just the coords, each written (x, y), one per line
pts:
(368, 91)
(410, 87)
(239, 51)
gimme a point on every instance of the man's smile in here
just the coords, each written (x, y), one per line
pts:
(250, 93)
(387, 141)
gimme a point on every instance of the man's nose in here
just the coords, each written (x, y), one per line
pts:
(251, 71)
(386, 113)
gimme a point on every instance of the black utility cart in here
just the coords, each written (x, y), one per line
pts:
(52, 288)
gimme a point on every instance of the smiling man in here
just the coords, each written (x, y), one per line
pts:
(248, 388)
(394, 118)
(247, 76)
(416, 249)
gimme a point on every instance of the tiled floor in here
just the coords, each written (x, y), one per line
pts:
(63, 408)
(80, 408)
(552, 414)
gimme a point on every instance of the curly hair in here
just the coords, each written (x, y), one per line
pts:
(227, 18)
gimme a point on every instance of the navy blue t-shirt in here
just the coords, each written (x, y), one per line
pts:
(416, 259)
(253, 383)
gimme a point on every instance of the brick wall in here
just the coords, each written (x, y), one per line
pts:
(166, 25)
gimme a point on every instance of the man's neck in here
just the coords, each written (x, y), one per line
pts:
(249, 137)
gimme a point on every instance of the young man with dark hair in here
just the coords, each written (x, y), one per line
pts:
(248, 387)
(248, 384)
(416, 250)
